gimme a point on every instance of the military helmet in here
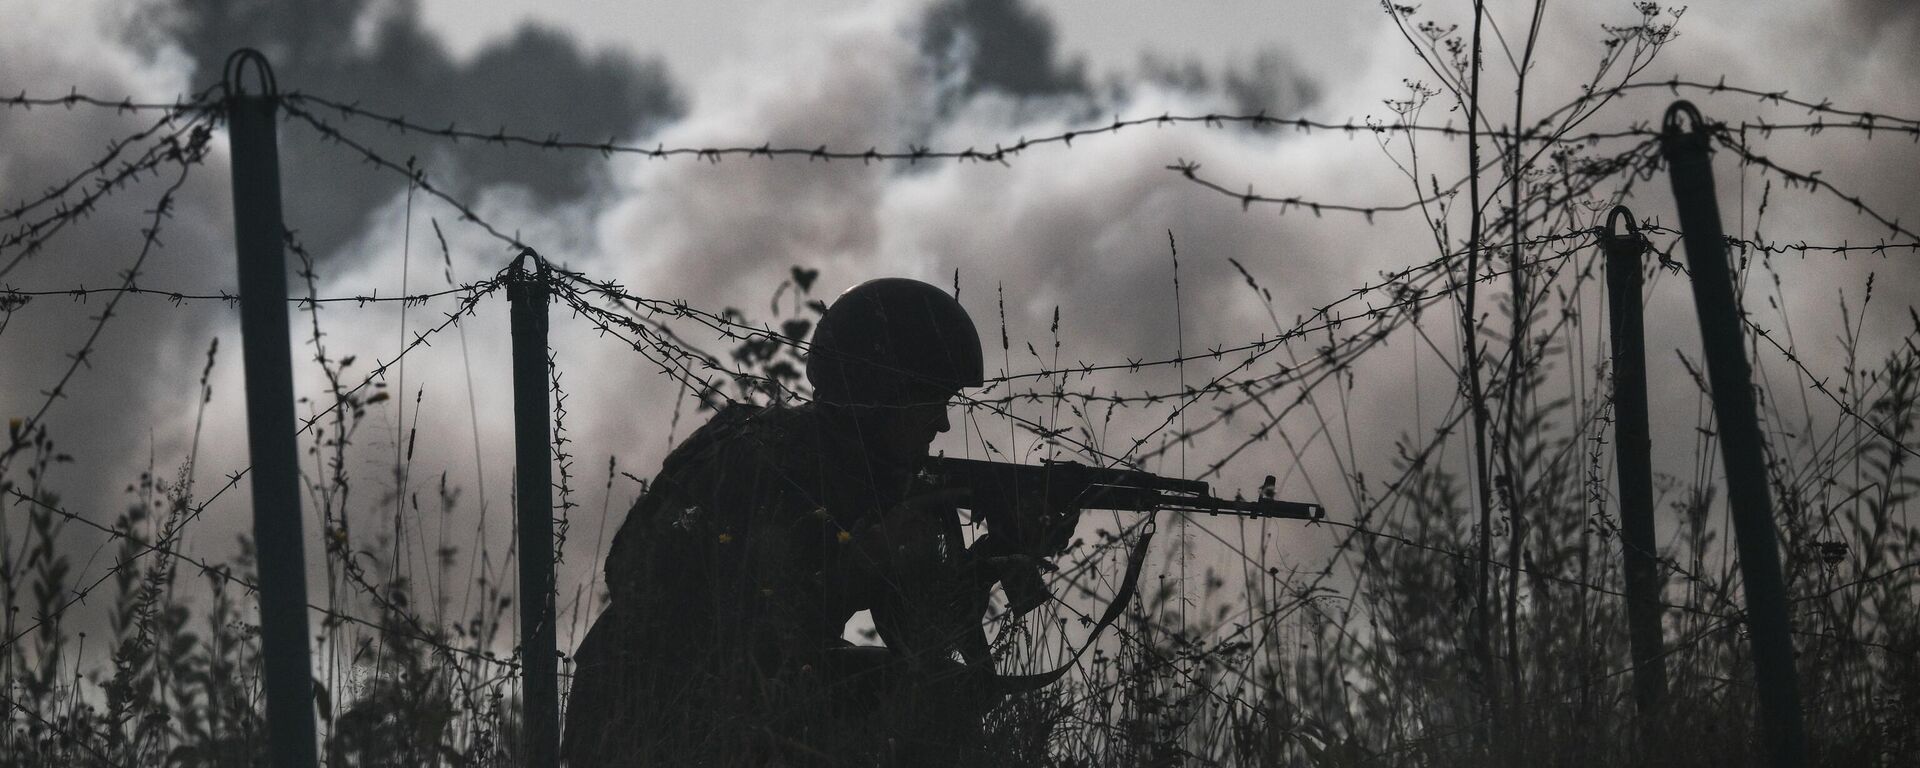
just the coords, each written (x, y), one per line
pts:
(893, 341)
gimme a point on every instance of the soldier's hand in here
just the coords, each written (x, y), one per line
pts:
(1046, 524)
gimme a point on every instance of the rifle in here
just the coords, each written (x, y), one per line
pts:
(1030, 509)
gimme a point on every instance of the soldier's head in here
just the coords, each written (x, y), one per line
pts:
(895, 351)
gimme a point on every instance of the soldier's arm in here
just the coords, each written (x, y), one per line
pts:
(897, 552)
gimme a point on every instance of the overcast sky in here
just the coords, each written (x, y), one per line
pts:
(1082, 229)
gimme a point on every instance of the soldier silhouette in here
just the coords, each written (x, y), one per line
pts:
(732, 578)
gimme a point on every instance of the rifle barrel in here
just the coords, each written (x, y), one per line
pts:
(1258, 508)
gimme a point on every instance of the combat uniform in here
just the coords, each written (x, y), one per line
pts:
(731, 581)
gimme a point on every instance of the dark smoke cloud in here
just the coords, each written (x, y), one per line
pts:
(1878, 14)
(1269, 80)
(1006, 47)
(999, 45)
(378, 54)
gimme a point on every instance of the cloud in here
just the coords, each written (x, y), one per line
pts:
(1269, 81)
(378, 55)
(999, 45)
(1882, 17)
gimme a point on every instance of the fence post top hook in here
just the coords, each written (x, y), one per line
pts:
(1620, 212)
(236, 62)
(1671, 124)
(518, 266)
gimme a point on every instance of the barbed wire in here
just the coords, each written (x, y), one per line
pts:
(727, 327)
(202, 101)
(11, 297)
(193, 513)
(1824, 106)
(1375, 335)
(417, 176)
(1005, 149)
(1857, 119)
(1811, 180)
(187, 157)
(1001, 152)
(1644, 152)
(1820, 385)
(647, 340)
(722, 321)
(1802, 247)
(30, 237)
(114, 148)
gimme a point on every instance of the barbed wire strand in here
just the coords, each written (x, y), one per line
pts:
(32, 237)
(187, 156)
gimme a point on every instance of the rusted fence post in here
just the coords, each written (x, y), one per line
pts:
(1691, 169)
(1633, 446)
(533, 434)
(259, 239)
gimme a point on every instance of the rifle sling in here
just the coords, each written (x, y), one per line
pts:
(1003, 685)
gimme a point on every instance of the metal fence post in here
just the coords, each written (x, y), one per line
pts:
(259, 238)
(1691, 170)
(533, 433)
(1633, 445)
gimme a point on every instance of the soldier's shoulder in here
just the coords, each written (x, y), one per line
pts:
(742, 432)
